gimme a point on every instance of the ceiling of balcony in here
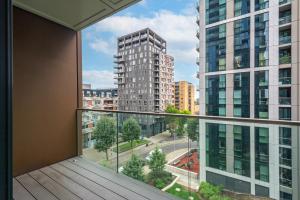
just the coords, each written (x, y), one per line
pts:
(75, 14)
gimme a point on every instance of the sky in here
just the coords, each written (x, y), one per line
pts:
(173, 20)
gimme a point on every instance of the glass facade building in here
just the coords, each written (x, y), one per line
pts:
(241, 7)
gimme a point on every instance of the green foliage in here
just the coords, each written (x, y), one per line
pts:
(159, 183)
(211, 192)
(104, 134)
(192, 129)
(131, 130)
(172, 109)
(134, 168)
(184, 193)
(176, 124)
(157, 163)
(127, 146)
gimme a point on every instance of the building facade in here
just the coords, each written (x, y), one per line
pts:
(185, 96)
(105, 99)
(249, 67)
(144, 72)
(249, 59)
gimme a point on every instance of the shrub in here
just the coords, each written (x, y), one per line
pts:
(208, 190)
(159, 183)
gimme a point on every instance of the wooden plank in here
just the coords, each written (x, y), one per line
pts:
(103, 182)
(38, 191)
(59, 191)
(81, 180)
(77, 189)
(20, 193)
(133, 185)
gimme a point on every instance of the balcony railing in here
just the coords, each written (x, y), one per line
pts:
(285, 40)
(285, 80)
(285, 100)
(130, 143)
(285, 19)
(285, 60)
(281, 2)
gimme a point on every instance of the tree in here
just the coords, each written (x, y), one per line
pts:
(134, 168)
(131, 130)
(192, 129)
(157, 162)
(104, 134)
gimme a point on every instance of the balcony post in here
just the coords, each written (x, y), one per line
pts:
(6, 99)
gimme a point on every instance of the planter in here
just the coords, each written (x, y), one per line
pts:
(171, 184)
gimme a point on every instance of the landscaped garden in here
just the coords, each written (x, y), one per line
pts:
(127, 146)
(206, 192)
(189, 162)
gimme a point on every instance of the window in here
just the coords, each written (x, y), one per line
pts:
(215, 10)
(261, 4)
(285, 177)
(285, 136)
(285, 196)
(241, 95)
(216, 48)
(242, 150)
(262, 154)
(242, 43)
(261, 94)
(216, 145)
(241, 7)
(216, 95)
(285, 156)
(261, 40)
(285, 76)
(285, 113)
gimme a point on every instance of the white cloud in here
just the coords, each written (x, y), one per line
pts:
(98, 78)
(102, 46)
(177, 29)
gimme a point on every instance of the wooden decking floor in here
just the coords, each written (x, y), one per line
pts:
(76, 179)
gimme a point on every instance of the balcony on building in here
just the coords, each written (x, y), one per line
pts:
(285, 55)
(284, 2)
(285, 16)
(285, 37)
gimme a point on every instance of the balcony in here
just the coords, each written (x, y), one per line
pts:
(285, 17)
(285, 55)
(282, 2)
(77, 179)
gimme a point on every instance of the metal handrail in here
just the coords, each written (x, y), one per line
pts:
(205, 117)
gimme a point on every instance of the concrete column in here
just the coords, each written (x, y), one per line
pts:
(229, 149)
(202, 149)
(252, 158)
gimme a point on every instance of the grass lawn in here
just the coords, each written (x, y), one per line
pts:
(183, 193)
(126, 146)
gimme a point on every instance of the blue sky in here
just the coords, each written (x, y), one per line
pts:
(174, 20)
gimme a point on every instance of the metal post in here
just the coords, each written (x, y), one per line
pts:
(5, 99)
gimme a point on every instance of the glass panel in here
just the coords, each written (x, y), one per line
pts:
(261, 94)
(216, 48)
(216, 95)
(241, 7)
(242, 43)
(215, 10)
(262, 40)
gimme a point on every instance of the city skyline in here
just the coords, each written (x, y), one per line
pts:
(173, 20)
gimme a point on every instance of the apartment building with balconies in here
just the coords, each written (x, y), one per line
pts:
(104, 99)
(144, 72)
(185, 96)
